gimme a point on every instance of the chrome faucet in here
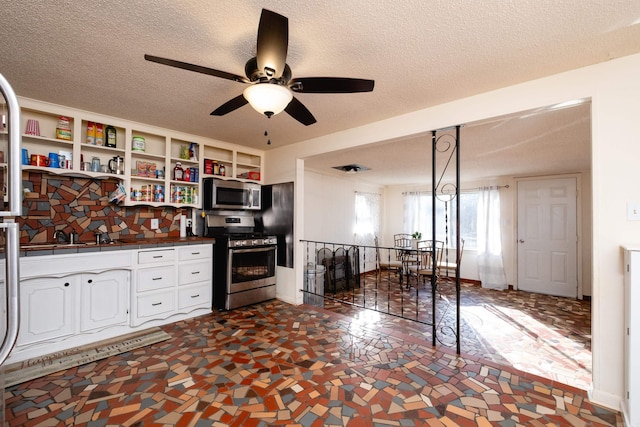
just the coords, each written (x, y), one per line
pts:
(60, 236)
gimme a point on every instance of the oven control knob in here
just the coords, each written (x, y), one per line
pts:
(255, 242)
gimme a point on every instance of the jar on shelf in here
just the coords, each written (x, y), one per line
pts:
(222, 170)
(137, 143)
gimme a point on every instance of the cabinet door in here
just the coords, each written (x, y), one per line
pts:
(104, 299)
(46, 308)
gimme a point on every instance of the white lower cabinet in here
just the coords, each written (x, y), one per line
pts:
(195, 274)
(55, 307)
(171, 281)
(104, 299)
(47, 308)
(72, 300)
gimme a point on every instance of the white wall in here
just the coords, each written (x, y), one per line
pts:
(614, 89)
(329, 206)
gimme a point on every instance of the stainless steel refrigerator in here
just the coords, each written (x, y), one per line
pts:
(11, 207)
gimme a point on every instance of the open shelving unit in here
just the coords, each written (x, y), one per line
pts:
(163, 149)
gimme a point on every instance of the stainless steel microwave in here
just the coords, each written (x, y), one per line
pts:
(224, 194)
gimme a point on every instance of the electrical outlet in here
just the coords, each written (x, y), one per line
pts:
(633, 211)
(154, 224)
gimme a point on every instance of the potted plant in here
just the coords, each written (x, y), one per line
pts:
(414, 239)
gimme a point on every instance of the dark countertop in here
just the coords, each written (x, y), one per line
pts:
(120, 244)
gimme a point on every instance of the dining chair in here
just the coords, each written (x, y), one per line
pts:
(451, 266)
(389, 262)
(425, 266)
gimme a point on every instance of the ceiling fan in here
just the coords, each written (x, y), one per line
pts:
(269, 76)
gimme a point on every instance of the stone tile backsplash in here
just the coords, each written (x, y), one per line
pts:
(81, 205)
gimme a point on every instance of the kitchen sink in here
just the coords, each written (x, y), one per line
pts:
(45, 246)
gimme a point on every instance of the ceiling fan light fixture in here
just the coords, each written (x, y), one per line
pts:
(268, 98)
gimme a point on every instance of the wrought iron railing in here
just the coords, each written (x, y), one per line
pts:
(375, 278)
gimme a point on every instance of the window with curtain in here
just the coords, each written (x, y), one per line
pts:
(367, 225)
(417, 217)
(367, 210)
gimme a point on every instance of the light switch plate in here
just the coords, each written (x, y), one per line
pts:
(633, 211)
(154, 224)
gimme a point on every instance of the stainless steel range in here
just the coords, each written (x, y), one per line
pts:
(244, 262)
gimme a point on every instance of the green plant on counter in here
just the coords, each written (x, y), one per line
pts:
(417, 235)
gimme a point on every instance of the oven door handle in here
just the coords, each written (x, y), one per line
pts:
(248, 250)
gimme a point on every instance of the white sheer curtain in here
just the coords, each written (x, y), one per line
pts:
(367, 226)
(417, 214)
(490, 267)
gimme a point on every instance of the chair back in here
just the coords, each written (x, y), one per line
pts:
(425, 261)
(401, 242)
(427, 246)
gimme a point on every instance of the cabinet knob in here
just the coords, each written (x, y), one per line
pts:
(66, 285)
(195, 296)
(90, 281)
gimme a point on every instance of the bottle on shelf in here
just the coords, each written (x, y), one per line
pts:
(111, 135)
(178, 172)
(222, 170)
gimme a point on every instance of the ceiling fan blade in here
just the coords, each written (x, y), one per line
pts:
(273, 41)
(196, 68)
(330, 85)
(230, 106)
(299, 112)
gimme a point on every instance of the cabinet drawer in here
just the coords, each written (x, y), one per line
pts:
(155, 278)
(156, 303)
(155, 256)
(187, 253)
(193, 295)
(194, 272)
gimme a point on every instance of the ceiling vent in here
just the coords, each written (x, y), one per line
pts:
(351, 168)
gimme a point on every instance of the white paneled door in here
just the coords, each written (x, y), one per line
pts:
(547, 236)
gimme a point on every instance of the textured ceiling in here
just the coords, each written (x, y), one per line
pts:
(544, 142)
(89, 55)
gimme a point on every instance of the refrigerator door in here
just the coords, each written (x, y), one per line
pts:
(11, 195)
